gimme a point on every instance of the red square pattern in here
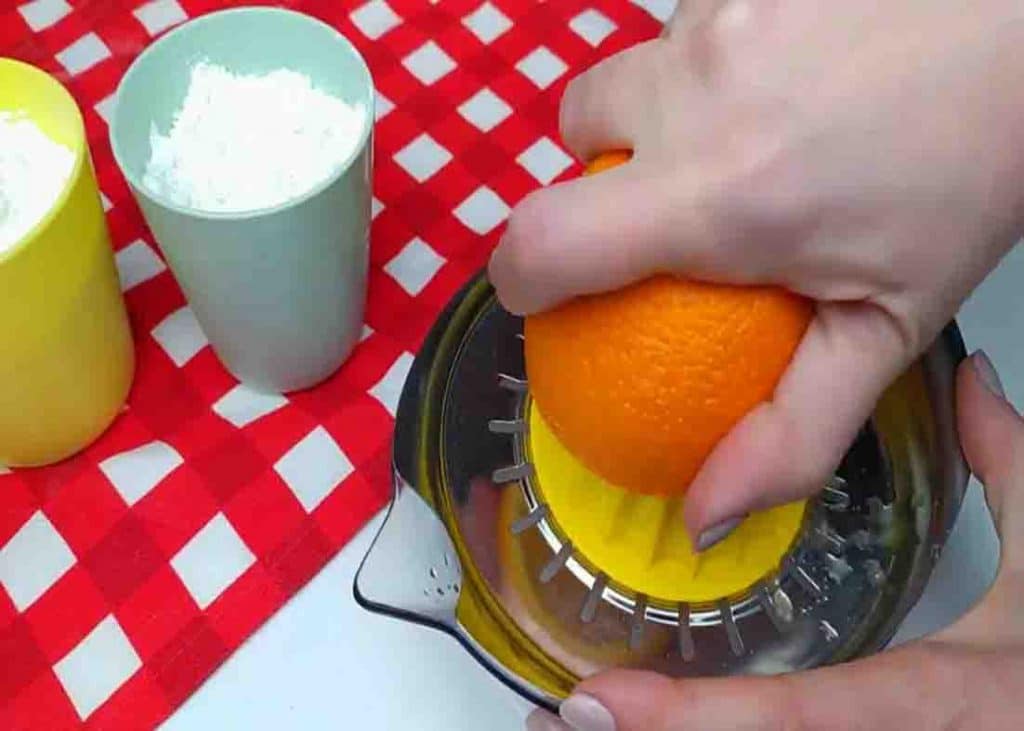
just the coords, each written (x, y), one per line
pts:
(209, 473)
(156, 611)
(66, 613)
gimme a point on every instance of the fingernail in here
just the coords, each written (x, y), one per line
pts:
(541, 720)
(987, 373)
(717, 533)
(585, 713)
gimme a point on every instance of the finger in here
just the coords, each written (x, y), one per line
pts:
(541, 720)
(992, 436)
(605, 107)
(918, 687)
(703, 30)
(593, 234)
(785, 449)
(689, 14)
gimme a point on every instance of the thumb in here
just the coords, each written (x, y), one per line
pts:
(992, 436)
(919, 686)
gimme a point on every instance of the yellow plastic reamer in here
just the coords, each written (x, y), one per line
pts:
(640, 541)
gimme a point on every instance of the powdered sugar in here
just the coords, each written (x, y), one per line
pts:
(245, 142)
(33, 171)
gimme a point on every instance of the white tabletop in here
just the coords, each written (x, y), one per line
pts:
(324, 663)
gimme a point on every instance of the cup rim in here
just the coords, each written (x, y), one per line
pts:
(251, 213)
(78, 149)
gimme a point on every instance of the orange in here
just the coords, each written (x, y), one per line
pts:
(641, 383)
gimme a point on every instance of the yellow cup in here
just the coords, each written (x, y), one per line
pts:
(66, 355)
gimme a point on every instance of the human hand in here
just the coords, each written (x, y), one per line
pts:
(867, 155)
(968, 676)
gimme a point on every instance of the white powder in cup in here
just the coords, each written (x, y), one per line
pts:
(244, 142)
(33, 171)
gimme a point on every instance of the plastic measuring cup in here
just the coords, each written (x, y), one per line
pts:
(66, 356)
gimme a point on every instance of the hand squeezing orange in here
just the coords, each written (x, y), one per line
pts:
(641, 383)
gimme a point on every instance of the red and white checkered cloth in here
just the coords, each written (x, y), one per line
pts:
(131, 572)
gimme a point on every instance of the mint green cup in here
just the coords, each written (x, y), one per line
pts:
(280, 292)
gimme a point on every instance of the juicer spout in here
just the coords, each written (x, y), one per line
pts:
(411, 571)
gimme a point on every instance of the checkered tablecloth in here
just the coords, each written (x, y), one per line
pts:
(131, 572)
